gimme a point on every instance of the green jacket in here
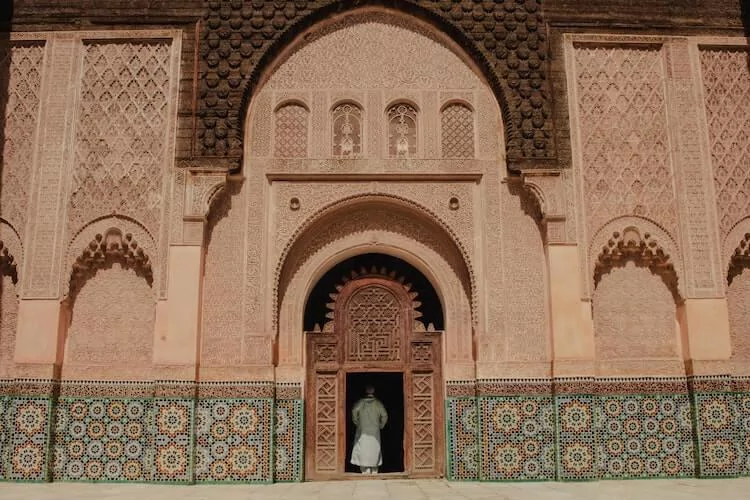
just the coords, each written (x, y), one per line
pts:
(369, 416)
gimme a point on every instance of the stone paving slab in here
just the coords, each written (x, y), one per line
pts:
(722, 489)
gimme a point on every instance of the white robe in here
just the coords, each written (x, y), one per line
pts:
(370, 417)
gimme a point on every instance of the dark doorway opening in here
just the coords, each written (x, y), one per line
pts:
(389, 389)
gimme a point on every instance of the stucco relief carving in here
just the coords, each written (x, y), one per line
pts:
(457, 131)
(239, 42)
(107, 241)
(623, 226)
(643, 250)
(21, 67)
(291, 130)
(734, 250)
(122, 131)
(361, 217)
(726, 82)
(548, 192)
(624, 162)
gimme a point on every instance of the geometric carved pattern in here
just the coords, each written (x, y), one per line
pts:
(104, 251)
(326, 422)
(290, 137)
(423, 422)
(347, 130)
(288, 446)
(375, 325)
(238, 38)
(726, 80)
(463, 439)
(21, 104)
(517, 438)
(122, 132)
(4, 434)
(644, 252)
(102, 440)
(233, 440)
(626, 168)
(457, 135)
(402, 131)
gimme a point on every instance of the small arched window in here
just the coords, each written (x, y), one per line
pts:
(347, 130)
(457, 131)
(402, 131)
(290, 134)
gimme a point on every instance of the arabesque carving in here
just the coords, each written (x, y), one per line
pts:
(457, 131)
(122, 131)
(400, 218)
(21, 68)
(625, 163)
(726, 81)
(643, 251)
(103, 251)
(239, 41)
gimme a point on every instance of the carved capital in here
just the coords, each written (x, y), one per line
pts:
(201, 186)
(546, 186)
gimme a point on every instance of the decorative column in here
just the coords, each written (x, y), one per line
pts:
(704, 314)
(572, 341)
(178, 319)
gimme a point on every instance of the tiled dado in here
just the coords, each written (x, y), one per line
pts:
(722, 423)
(587, 429)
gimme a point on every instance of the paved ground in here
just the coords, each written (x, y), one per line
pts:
(720, 489)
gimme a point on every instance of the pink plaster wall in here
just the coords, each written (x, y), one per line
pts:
(634, 316)
(8, 322)
(112, 327)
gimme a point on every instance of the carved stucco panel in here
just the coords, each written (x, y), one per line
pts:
(697, 216)
(313, 197)
(22, 65)
(726, 90)
(623, 143)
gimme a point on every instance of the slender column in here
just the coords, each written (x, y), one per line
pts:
(178, 320)
(572, 340)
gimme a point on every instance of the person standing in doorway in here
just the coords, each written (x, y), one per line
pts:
(369, 416)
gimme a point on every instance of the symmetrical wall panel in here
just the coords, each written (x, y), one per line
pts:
(634, 317)
(457, 131)
(726, 81)
(623, 133)
(122, 132)
(21, 66)
(112, 322)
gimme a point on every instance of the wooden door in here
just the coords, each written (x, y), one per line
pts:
(373, 328)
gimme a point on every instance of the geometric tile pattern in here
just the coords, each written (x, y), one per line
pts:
(463, 439)
(102, 440)
(288, 433)
(4, 435)
(721, 444)
(743, 413)
(173, 436)
(642, 436)
(29, 419)
(233, 440)
(518, 438)
(576, 449)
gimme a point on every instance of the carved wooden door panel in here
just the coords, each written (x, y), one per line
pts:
(373, 329)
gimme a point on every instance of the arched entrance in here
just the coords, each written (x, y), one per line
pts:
(377, 331)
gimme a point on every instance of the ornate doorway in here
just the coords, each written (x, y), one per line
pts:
(373, 326)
